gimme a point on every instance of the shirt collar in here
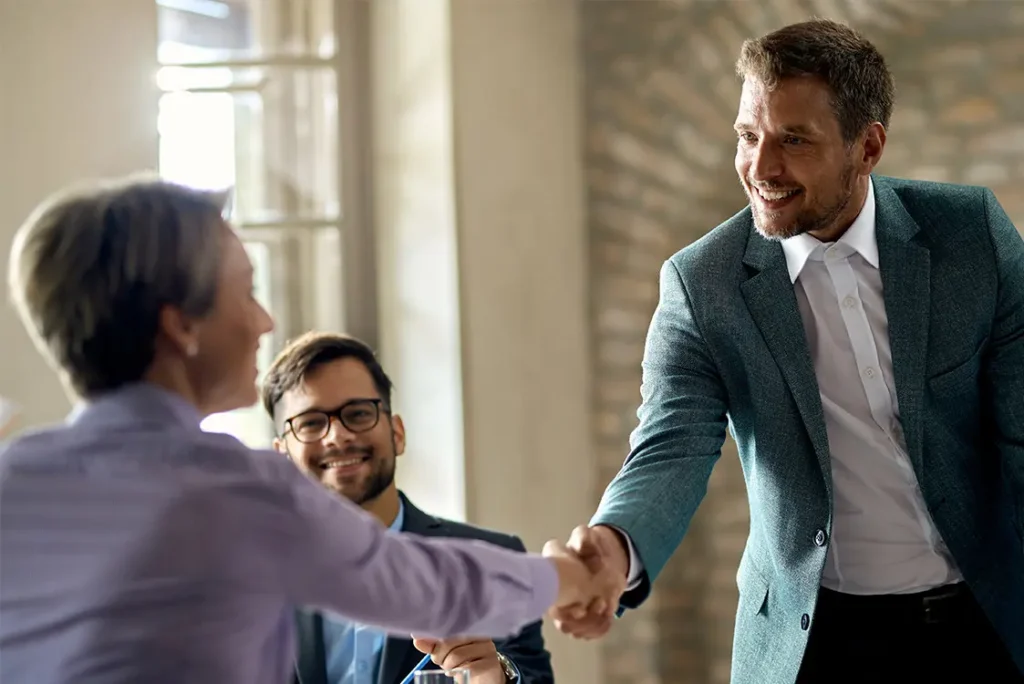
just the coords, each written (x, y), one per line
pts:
(140, 401)
(860, 236)
(396, 525)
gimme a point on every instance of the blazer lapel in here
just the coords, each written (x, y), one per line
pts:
(772, 303)
(397, 660)
(905, 267)
(311, 663)
(399, 655)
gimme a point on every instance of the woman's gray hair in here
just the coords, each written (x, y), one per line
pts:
(92, 268)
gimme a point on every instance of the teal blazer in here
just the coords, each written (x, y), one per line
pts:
(726, 347)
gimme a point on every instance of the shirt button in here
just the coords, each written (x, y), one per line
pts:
(361, 667)
(819, 538)
(849, 302)
(869, 372)
(805, 621)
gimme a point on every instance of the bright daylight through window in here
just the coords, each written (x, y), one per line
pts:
(249, 101)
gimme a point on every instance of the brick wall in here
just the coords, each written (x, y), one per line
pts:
(660, 100)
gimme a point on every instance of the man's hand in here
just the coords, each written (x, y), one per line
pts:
(479, 656)
(605, 554)
(577, 585)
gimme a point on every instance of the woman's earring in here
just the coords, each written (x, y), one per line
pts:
(192, 349)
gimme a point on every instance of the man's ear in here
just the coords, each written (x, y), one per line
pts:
(874, 145)
(398, 431)
(279, 446)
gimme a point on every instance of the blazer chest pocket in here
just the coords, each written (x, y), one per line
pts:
(961, 380)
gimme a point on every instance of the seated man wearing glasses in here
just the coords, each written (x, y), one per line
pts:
(330, 401)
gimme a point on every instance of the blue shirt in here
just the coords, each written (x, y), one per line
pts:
(353, 650)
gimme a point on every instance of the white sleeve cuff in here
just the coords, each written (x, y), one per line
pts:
(636, 566)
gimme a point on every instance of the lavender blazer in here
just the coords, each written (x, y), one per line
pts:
(134, 547)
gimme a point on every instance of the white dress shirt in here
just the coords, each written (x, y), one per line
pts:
(883, 539)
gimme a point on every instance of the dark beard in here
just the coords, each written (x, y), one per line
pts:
(807, 222)
(380, 480)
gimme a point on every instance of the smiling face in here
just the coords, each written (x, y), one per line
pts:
(799, 174)
(357, 462)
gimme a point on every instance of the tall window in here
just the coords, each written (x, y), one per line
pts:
(250, 101)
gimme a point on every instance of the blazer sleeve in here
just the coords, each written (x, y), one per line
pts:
(1003, 371)
(526, 650)
(677, 442)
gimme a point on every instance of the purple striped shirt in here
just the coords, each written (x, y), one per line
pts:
(134, 547)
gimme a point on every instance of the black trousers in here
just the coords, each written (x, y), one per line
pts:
(934, 637)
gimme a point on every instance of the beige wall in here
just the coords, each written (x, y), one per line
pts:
(523, 277)
(483, 265)
(414, 192)
(67, 110)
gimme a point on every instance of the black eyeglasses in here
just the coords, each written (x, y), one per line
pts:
(358, 415)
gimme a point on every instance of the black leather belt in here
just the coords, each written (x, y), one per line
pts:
(935, 606)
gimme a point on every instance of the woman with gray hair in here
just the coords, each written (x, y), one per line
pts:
(134, 547)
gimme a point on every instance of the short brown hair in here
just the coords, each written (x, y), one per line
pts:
(92, 267)
(310, 351)
(854, 70)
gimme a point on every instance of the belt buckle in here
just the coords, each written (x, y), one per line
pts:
(933, 612)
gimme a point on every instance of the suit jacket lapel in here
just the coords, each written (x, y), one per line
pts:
(772, 303)
(311, 665)
(399, 655)
(905, 267)
(397, 660)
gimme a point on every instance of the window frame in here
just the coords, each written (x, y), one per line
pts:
(291, 283)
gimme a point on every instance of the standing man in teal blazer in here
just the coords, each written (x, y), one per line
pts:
(862, 338)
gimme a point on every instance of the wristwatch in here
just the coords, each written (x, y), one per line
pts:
(506, 667)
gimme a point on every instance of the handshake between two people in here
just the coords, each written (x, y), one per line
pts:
(592, 572)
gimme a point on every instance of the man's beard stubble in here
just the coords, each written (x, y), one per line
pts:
(380, 479)
(809, 220)
(383, 475)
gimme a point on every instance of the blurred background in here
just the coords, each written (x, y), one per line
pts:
(484, 190)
